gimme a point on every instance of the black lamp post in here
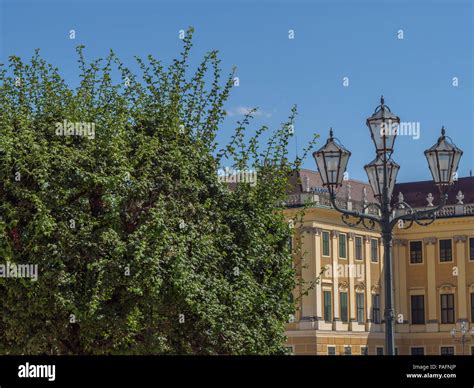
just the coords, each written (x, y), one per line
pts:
(443, 159)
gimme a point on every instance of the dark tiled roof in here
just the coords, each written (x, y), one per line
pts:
(415, 193)
(310, 180)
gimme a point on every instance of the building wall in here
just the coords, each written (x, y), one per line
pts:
(310, 333)
(432, 278)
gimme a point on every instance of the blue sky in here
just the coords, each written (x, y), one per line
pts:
(332, 40)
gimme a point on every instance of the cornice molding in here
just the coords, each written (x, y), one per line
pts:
(447, 287)
(430, 240)
(344, 285)
(375, 288)
(360, 286)
(311, 229)
(460, 238)
(400, 241)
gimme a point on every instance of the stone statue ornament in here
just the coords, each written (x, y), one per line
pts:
(401, 200)
(430, 199)
(460, 197)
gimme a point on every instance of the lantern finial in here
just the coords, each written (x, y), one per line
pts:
(443, 131)
(331, 133)
(382, 100)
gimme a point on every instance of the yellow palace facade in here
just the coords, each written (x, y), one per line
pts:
(433, 269)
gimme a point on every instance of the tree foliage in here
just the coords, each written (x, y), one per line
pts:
(140, 248)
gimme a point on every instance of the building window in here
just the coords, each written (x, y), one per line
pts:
(416, 252)
(445, 250)
(447, 350)
(347, 350)
(374, 250)
(343, 300)
(376, 308)
(417, 310)
(472, 350)
(417, 351)
(342, 246)
(290, 244)
(360, 307)
(472, 307)
(327, 306)
(331, 350)
(447, 308)
(379, 351)
(471, 248)
(290, 350)
(326, 251)
(358, 248)
(364, 351)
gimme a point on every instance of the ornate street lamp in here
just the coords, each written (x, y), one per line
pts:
(464, 331)
(375, 171)
(332, 160)
(383, 125)
(443, 160)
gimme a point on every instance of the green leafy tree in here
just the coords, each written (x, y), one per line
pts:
(140, 248)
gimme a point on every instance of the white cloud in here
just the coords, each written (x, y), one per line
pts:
(243, 110)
